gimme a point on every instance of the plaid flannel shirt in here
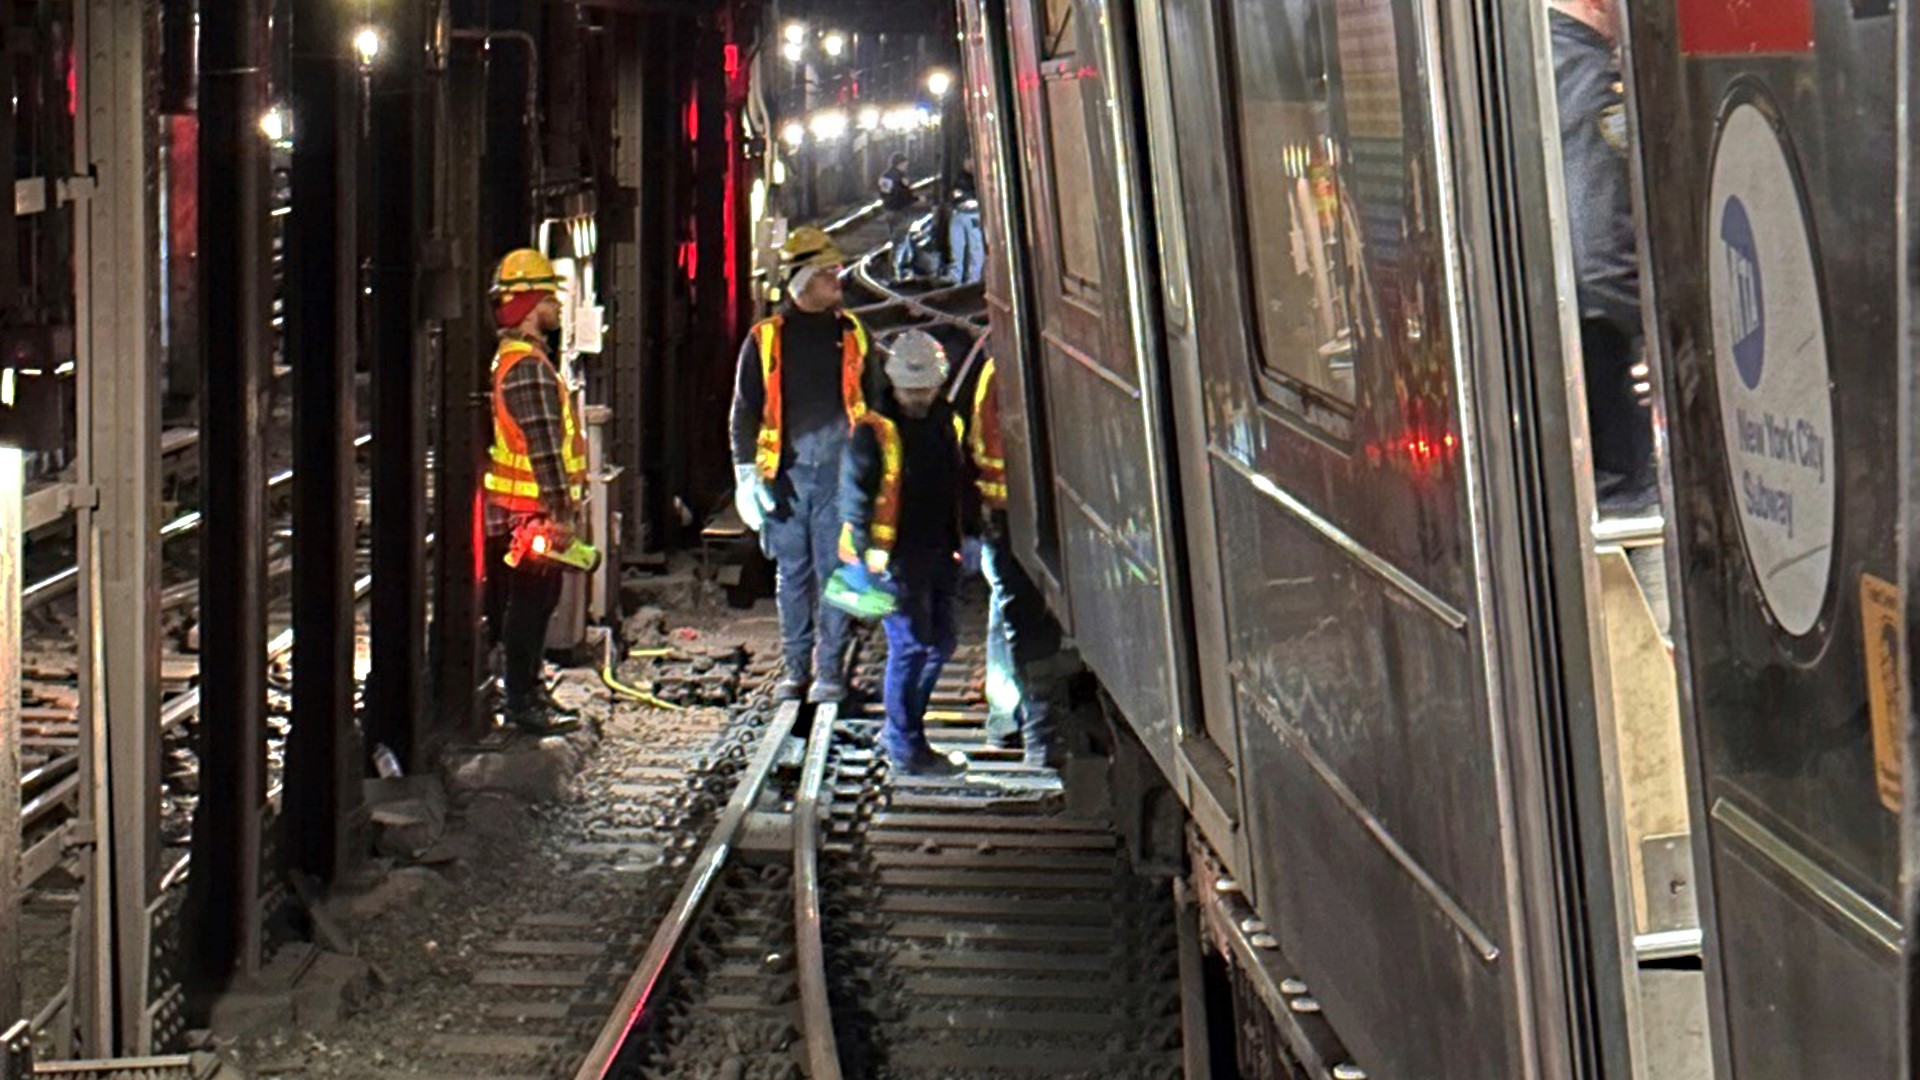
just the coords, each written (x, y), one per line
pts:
(533, 399)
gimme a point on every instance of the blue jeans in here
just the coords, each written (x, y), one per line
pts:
(900, 233)
(803, 537)
(920, 637)
(1013, 601)
(966, 247)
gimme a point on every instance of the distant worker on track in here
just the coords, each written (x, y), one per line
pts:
(803, 380)
(1015, 718)
(536, 478)
(1606, 259)
(966, 240)
(898, 200)
(903, 496)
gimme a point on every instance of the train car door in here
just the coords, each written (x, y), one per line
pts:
(1769, 149)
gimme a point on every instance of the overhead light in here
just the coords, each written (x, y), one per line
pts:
(792, 51)
(274, 124)
(834, 44)
(796, 33)
(367, 43)
(794, 134)
(938, 83)
(828, 125)
(869, 118)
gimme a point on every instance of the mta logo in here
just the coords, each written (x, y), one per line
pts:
(1746, 309)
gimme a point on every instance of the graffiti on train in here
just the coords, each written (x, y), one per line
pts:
(1770, 353)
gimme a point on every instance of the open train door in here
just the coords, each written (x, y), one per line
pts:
(1770, 147)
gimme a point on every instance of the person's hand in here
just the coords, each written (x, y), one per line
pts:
(751, 496)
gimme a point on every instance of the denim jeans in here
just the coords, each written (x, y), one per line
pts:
(966, 247)
(920, 638)
(1012, 601)
(803, 537)
(900, 234)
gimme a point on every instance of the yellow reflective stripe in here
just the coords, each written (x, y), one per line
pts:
(883, 535)
(859, 331)
(525, 488)
(992, 491)
(504, 456)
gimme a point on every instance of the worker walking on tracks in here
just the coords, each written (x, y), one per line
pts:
(802, 382)
(535, 481)
(903, 496)
(898, 200)
(1016, 719)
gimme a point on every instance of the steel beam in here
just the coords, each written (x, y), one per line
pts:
(12, 505)
(116, 245)
(224, 891)
(323, 765)
(458, 668)
(399, 462)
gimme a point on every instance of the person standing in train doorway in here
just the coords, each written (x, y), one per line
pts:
(536, 478)
(898, 200)
(966, 241)
(906, 514)
(1018, 628)
(1606, 258)
(802, 381)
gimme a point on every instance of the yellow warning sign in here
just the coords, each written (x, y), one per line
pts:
(1882, 649)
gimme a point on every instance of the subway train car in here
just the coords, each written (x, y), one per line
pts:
(1298, 451)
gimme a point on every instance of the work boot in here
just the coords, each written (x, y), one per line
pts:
(791, 688)
(554, 706)
(533, 718)
(925, 761)
(1009, 739)
(827, 692)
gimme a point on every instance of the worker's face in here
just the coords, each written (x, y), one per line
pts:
(917, 402)
(549, 312)
(1602, 15)
(822, 291)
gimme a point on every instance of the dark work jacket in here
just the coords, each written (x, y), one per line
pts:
(813, 410)
(896, 191)
(937, 509)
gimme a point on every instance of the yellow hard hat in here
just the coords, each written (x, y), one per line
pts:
(524, 270)
(810, 246)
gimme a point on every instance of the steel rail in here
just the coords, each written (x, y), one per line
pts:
(816, 1006)
(674, 933)
(57, 583)
(863, 270)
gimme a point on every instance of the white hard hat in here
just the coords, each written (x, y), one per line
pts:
(916, 361)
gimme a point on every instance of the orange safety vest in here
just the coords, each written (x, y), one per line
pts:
(853, 366)
(984, 442)
(885, 527)
(510, 481)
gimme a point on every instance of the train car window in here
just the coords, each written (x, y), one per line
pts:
(1073, 185)
(1296, 220)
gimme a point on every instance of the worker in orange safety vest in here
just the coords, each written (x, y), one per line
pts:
(536, 479)
(802, 382)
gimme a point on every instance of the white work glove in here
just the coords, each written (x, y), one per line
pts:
(752, 496)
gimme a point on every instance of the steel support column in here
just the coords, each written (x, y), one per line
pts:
(399, 462)
(458, 667)
(323, 767)
(224, 891)
(116, 245)
(629, 353)
(12, 520)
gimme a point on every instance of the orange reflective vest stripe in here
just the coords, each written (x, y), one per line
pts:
(510, 481)
(884, 529)
(853, 367)
(984, 442)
